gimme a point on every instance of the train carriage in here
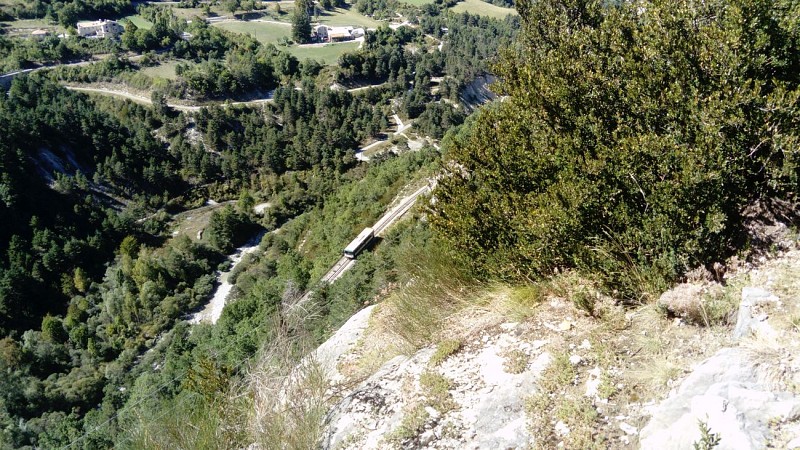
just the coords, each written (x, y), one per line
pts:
(359, 243)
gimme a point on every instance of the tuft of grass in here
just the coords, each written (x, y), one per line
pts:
(607, 389)
(582, 291)
(437, 288)
(292, 417)
(445, 348)
(584, 302)
(580, 416)
(559, 399)
(290, 391)
(516, 361)
(521, 301)
(436, 389)
(351, 440)
(795, 321)
(413, 422)
(635, 278)
(560, 373)
(191, 420)
(436, 393)
(450, 431)
(658, 372)
(718, 307)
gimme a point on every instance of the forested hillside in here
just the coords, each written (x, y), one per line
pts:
(631, 143)
(54, 236)
(98, 273)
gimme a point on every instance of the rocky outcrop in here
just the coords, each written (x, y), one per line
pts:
(749, 319)
(329, 354)
(743, 397)
(470, 400)
(564, 378)
(729, 395)
(477, 92)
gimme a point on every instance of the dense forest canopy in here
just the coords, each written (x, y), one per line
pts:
(633, 137)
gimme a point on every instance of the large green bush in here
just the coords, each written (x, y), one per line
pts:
(630, 140)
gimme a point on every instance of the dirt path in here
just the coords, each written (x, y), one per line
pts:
(213, 309)
(145, 100)
(401, 128)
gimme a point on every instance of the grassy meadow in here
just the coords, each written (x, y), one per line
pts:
(328, 54)
(482, 8)
(264, 32)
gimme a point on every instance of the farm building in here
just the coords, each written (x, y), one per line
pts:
(99, 29)
(326, 33)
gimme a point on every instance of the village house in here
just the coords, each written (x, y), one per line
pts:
(99, 29)
(324, 33)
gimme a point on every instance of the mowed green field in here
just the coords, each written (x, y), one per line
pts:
(328, 54)
(264, 32)
(139, 21)
(24, 27)
(191, 13)
(341, 17)
(482, 8)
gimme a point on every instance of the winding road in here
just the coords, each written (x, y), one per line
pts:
(401, 128)
(142, 99)
(194, 108)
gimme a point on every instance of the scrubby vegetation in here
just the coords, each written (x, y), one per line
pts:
(631, 143)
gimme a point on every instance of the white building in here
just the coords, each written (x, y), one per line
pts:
(99, 29)
(334, 34)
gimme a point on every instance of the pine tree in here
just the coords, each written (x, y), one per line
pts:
(301, 22)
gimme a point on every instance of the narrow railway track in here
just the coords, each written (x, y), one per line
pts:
(344, 264)
(341, 266)
(390, 217)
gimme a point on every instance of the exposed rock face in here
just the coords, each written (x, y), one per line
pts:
(740, 383)
(748, 319)
(730, 396)
(477, 92)
(483, 407)
(331, 351)
(743, 395)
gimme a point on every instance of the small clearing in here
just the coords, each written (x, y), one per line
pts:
(328, 54)
(263, 31)
(482, 8)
